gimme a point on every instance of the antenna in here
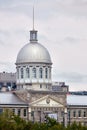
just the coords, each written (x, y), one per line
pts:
(33, 17)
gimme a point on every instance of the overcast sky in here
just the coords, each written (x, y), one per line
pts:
(62, 29)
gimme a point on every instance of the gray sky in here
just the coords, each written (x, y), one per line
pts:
(62, 29)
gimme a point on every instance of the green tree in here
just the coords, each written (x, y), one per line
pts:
(6, 121)
(28, 125)
(57, 127)
(36, 126)
(50, 121)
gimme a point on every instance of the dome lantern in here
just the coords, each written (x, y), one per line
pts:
(33, 36)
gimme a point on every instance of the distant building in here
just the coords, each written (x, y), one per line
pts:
(7, 80)
(78, 92)
(60, 87)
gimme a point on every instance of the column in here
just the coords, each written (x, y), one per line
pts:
(29, 112)
(37, 69)
(65, 116)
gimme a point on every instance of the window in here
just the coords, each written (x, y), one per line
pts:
(34, 36)
(8, 84)
(34, 72)
(19, 112)
(46, 73)
(1, 84)
(18, 73)
(40, 73)
(69, 113)
(25, 112)
(49, 73)
(62, 113)
(32, 113)
(84, 114)
(22, 73)
(46, 86)
(74, 113)
(27, 73)
(40, 85)
(79, 113)
(13, 111)
(1, 110)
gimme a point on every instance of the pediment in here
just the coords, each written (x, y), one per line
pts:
(46, 101)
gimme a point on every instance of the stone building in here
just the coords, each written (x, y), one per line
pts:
(36, 95)
(77, 109)
(34, 82)
(9, 100)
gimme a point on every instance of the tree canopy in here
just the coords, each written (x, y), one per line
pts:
(8, 121)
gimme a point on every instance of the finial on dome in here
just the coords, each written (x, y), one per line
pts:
(33, 33)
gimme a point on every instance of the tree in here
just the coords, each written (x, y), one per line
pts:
(50, 121)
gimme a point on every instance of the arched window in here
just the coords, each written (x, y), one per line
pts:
(49, 73)
(19, 112)
(79, 113)
(40, 73)
(25, 112)
(22, 73)
(40, 85)
(18, 73)
(27, 73)
(84, 113)
(74, 113)
(46, 73)
(34, 72)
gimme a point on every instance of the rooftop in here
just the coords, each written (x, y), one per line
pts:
(10, 98)
(76, 100)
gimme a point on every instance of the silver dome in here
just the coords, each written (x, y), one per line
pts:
(32, 53)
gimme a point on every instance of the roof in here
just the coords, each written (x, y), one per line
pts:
(32, 53)
(9, 98)
(77, 100)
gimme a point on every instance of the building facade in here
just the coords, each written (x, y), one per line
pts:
(77, 109)
(36, 96)
(9, 100)
(34, 68)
